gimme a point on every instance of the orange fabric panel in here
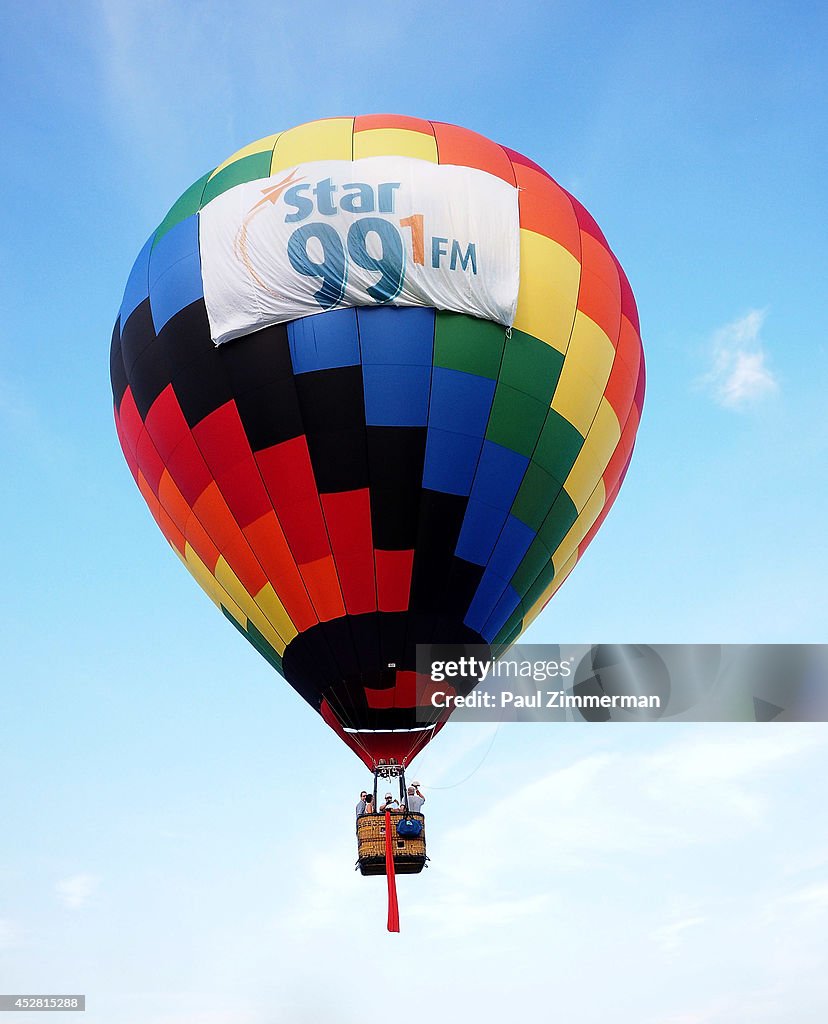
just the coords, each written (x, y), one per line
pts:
(546, 209)
(367, 122)
(268, 542)
(467, 148)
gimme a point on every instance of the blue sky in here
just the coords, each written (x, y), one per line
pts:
(180, 822)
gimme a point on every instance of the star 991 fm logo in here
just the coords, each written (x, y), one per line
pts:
(325, 249)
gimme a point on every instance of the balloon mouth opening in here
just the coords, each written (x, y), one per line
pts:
(374, 732)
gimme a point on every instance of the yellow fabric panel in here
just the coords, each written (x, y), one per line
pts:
(319, 140)
(395, 142)
(590, 350)
(601, 442)
(551, 589)
(260, 146)
(209, 585)
(577, 397)
(273, 608)
(234, 587)
(548, 294)
(580, 528)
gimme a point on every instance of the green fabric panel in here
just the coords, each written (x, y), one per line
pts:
(465, 343)
(516, 419)
(257, 165)
(185, 206)
(510, 632)
(256, 640)
(531, 366)
(558, 446)
(534, 561)
(264, 647)
(559, 521)
(536, 495)
(533, 594)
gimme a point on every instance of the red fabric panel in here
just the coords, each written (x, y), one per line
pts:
(288, 476)
(149, 461)
(519, 158)
(189, 470)
(166, 424)
(381, 700)
(587, 221)
(130, 420)
(129, 454)
(393, 569)
(244, 491)
(628, 304)
(371, 747)
(348, 519)
(221, 438)
(639, 389)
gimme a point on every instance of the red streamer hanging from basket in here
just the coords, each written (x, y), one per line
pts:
(393, 908)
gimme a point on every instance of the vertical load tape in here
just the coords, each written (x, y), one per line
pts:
(393, 908)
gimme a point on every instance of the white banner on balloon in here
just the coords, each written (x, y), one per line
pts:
(377, 231)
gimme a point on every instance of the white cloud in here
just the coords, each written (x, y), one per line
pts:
(76, 892)
(740, 374)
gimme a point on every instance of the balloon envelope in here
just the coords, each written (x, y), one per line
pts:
(381, 473)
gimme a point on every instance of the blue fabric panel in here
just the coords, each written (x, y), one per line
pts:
(485, 600)
(324, 340)
(396, 334)
(175, 272)
(177, 244)
(450, 461)
(481, 527)
(396, 396)
(137, 286)
(460, 402)
(511, 546)
(499, 617)
(499, 475)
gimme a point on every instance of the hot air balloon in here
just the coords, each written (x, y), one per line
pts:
(378, 380)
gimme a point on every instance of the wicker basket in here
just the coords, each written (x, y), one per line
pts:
(409, 851)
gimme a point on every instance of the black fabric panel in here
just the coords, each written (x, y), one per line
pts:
(149, 376)
(337, 635)
(365, 632)
(395, 466)
(440, 520)
(332, 661)
(258, 358)
(338, 458)
(397, 455)
(201, 388)
(332, 399)
(463, 581)
(392, 629)
(270, 414)
(347, 698)
(186, 337)
(117, 374)
(136, 334)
